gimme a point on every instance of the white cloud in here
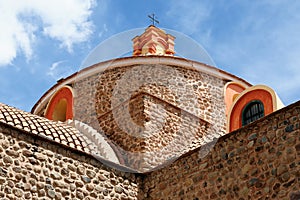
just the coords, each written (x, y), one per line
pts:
(66, 21)
(59, 69)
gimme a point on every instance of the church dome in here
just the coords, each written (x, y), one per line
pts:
(146, 109)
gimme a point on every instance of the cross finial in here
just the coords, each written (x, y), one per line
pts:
(152, 19)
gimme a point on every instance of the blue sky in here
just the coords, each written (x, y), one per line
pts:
(43, 41)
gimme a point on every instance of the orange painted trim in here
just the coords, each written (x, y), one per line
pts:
(259, 94)
(163, 42)
(232, 89)
(63, 93)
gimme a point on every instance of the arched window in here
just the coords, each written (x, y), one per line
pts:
(60, 111)
(252, 111)
(60, 106)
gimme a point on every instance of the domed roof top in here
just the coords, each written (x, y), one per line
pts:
(181, 85)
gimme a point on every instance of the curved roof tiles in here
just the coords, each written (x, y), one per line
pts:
(56, 131)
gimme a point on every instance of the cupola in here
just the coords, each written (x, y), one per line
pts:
(153, 41)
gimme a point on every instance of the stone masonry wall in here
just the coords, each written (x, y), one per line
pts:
(167, 133)
(100, 100)
(193, 91)
(32, 168)
(259, 161)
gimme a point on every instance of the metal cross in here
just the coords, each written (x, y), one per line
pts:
(152, 19)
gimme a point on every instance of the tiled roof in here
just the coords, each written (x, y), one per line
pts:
(56, 131)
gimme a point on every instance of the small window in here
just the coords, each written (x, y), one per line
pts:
(60, 110)
(252, 112)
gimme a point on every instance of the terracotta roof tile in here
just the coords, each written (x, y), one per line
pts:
(56, 131)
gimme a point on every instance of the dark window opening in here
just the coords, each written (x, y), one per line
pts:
(252, 112)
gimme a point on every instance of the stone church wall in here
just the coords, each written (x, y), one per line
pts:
(193, 91)
(33, 168)
(259, 161)
(184, 96)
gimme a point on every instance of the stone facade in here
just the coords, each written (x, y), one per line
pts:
(259, 161)
(151, 126)
(34, 168)
(145, 110)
